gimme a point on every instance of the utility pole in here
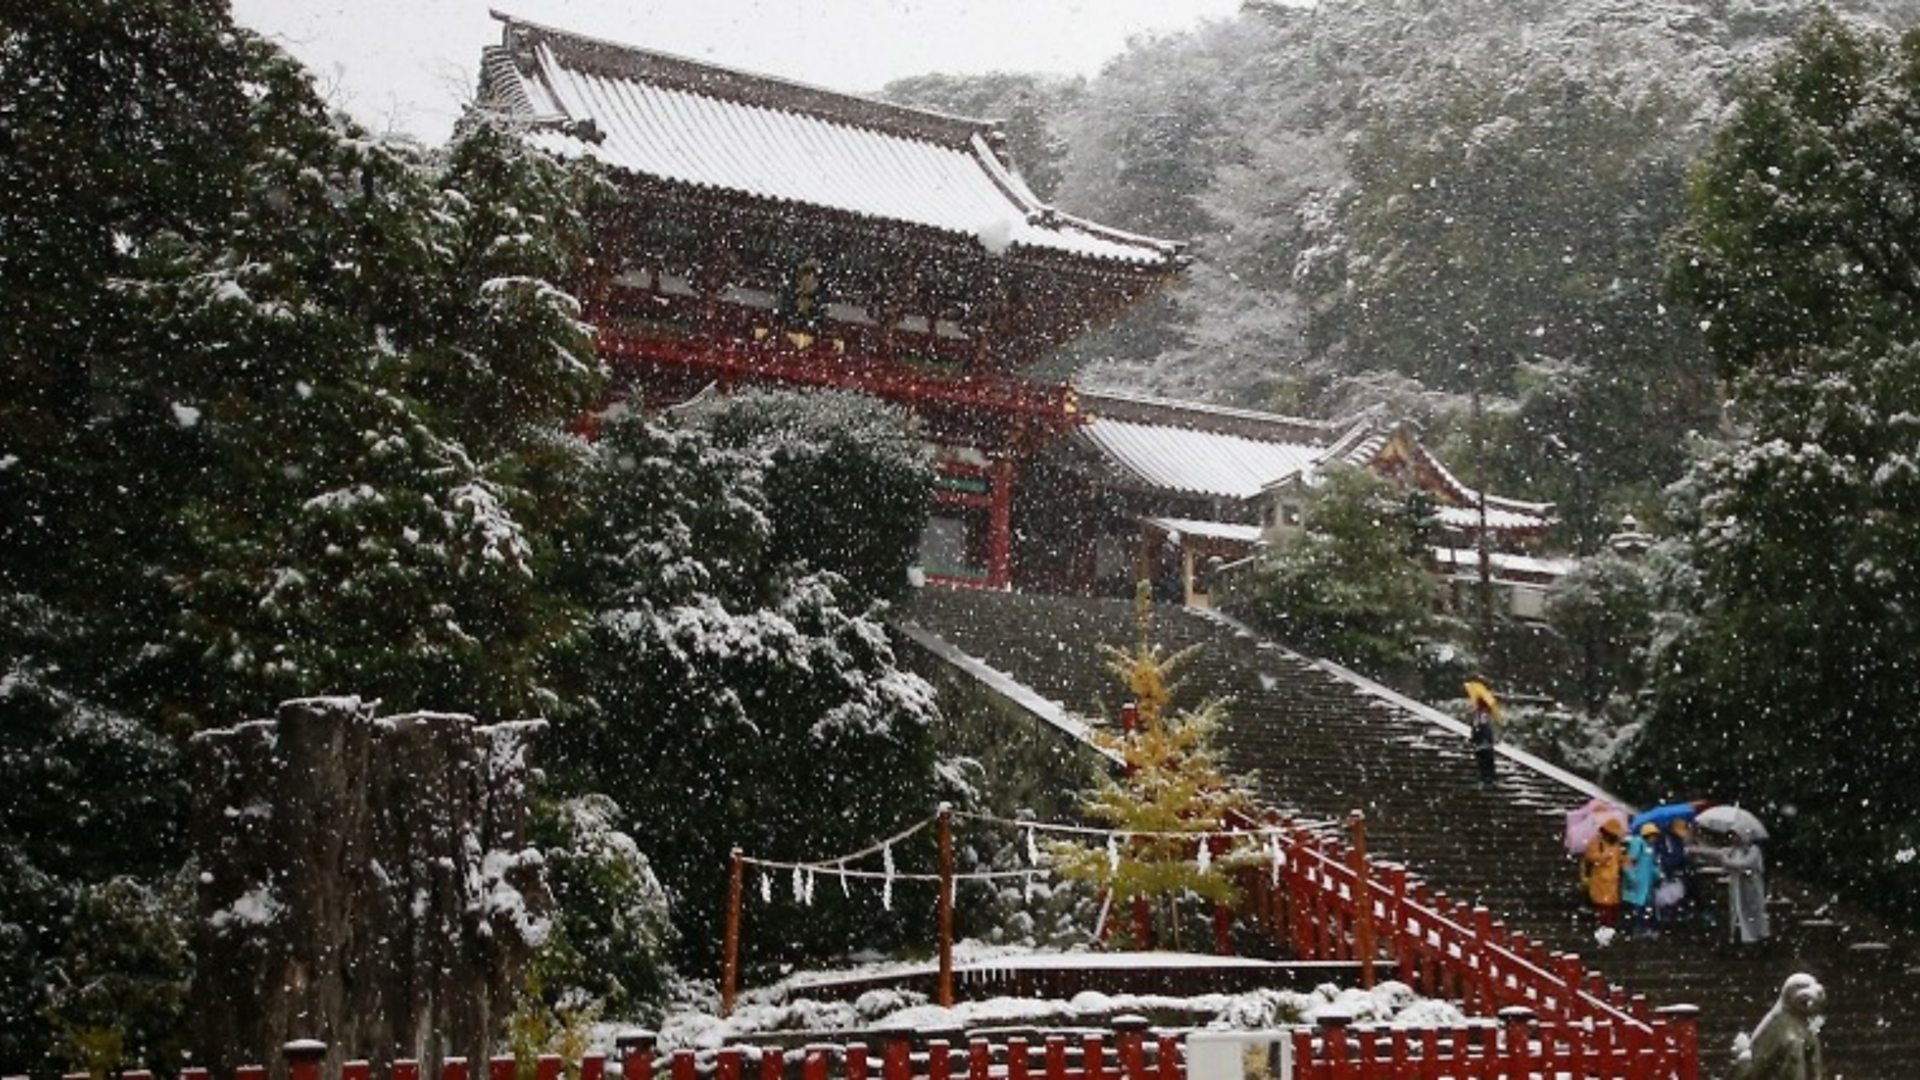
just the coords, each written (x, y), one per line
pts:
(1480, 490)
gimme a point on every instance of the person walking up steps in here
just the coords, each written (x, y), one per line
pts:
(1600, 869)
(1481, 732)
(1639, 874)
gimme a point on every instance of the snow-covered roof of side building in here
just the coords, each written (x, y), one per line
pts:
(1219, 452)
(1207, 449)
(707, 127)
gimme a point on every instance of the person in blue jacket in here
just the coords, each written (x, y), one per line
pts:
(1640, 871)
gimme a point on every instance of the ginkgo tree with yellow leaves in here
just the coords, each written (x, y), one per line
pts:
(1173, 787)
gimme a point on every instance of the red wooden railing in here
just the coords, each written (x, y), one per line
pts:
(1131, 1052)
(1330, 900)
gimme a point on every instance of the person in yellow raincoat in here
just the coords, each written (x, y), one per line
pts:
(1600, 869)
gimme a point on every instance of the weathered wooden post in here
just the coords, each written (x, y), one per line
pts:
(946, 905)
(730, 961)
(367, 877)
(1362, 899)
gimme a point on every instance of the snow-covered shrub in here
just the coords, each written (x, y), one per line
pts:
(848, 480)
(607, 950)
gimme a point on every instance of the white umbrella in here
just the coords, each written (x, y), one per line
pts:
(1731, 819)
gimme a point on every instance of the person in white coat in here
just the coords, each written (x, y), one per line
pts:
(1746, 888)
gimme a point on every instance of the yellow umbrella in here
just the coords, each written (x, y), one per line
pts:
(1478, 694)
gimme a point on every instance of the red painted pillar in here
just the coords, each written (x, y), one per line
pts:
(1000, 526)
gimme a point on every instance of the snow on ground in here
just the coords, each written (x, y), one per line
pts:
(785, 1006)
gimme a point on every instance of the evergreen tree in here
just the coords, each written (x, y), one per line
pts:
(848, 482)
(1351, 584)
(727, 698)
(1172, 783)
(1786, 682)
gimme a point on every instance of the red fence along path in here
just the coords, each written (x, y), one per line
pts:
(1325, 900)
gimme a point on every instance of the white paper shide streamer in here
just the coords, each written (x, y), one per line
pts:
(766, 888)
(1113, 854)
(1203, 858)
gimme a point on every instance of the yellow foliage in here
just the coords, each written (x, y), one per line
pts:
(1173, 784)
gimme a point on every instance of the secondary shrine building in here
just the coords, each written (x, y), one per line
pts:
(772, 233)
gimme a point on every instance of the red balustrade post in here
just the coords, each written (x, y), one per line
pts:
(357, 1069)
(502, 1067)
(730, 1064)
(1304, 1065)
(303, 1058)
(1333, 1040)
(185, 1074)
(1129, 1043)
(773, 1063)
(635, 1052)
(815, 1061)
(939, 1060)
(451, 1068)
(1363, 941)
(979, 1059)
(1517, 1034)
(856, 1062)
(686, 1066)
(1056, 1057)
(1169, 1062)
(401, 1069)
(549, 1067)
(1093, 1061)
(1488, 990)
(896, 1055)
(594, 1067)
(1683, 1028)
(1018, 1063)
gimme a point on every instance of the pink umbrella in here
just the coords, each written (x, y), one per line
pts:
(1584, 821)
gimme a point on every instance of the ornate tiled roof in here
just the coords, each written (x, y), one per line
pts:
(1215, 451)
(689, 123)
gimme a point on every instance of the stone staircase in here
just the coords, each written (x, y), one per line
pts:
(1322, 746)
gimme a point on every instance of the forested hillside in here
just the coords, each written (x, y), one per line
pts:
(1401, 201)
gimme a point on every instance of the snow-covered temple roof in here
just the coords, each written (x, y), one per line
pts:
(1213, 451)
(685, 122)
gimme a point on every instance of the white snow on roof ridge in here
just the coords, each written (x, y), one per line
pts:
(1194, 460)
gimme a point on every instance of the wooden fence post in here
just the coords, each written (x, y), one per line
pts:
(946, 906)
(1362, 900)
(1683, 1024)
(303, 1057)
(814, 1062)
(1018, 1063)
(1333, 1038)
(730, 964)
(896, 1054)
(1129, 1043)
(1517, 1035)
(635, 1050)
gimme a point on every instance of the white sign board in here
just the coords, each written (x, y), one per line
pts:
(1240, 1055)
